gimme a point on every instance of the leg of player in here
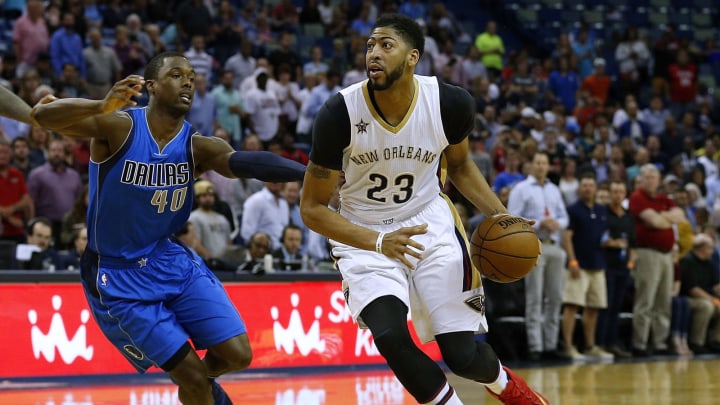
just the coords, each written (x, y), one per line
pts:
(422, 378)
(477, 361)
(231, 355)
(190, 374)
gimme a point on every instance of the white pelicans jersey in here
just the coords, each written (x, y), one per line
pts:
(391, 172)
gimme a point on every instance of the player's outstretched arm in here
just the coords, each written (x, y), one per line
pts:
(215, 154)
(77, 116)
(14, 107)
(466, 176)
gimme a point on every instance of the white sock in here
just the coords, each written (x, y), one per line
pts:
(446, 396)
(498, 386)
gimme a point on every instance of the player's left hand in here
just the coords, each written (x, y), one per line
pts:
(399, 244)
(49, 98)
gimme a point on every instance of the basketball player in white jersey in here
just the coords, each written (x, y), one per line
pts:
(396, 238)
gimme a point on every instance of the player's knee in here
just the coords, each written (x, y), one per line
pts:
(392, 341)
(192, 381)
(475, 361)
(241, 360)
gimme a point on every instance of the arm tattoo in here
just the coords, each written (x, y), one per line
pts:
(319, 171)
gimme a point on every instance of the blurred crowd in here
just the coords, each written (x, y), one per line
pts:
(621, 136)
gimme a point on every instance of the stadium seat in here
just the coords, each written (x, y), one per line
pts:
(701, 19)
(7, 254)
(314, 30)
(658, 18)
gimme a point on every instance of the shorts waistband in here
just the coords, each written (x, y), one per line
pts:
(123, 263)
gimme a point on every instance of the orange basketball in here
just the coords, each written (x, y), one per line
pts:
(504, 248)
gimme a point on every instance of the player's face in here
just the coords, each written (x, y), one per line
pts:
(175, 85)
(385, 58)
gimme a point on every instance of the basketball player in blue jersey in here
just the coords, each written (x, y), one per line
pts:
(397, 240)
(150, 294)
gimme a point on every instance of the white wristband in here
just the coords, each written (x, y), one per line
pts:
(379, 241)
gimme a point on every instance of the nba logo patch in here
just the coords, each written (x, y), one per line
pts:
(477, 303)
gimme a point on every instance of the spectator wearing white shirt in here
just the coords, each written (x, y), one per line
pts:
(199, 59)
(242, 63)
(316, 64)
(265, 211)
(263, 110)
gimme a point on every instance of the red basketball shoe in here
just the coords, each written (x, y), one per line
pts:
(517, 392)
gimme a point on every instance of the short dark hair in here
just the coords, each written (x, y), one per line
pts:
(408, 29)
(152, 70)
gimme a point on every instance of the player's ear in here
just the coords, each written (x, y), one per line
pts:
(150, 85)
(413, 57)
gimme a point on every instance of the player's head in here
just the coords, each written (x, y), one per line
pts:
(170, 80)
(393, 48)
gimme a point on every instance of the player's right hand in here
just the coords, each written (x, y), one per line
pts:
(399, 244)
(121, 94)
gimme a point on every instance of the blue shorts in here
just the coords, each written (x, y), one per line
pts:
(150, 308)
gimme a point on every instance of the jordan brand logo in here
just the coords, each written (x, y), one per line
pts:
(56, 336)
(294, 335)
(362, 126)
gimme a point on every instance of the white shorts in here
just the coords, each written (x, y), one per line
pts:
(444, 292)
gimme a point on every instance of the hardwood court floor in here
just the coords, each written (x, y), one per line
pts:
(676, 381)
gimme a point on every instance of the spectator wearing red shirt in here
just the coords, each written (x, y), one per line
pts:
(292, 152)
(598, 83)
(15, 202)
(654, 214)
(683, 82)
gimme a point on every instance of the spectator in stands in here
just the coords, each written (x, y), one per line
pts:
(259, 245)
(76, 217)
(262, 110)
(597, 163)
(229, 107)
(511, 175)
(654, 214)
(286, 92)
(103, 65)
(683, 75)
(284, 17)
(266, 211)
(20, 152)
(288, 256)
(30, 36)
(113, 14)
(584, 53)
(413, 9)
(16, 206)
(523, 89)
(597, 84)
(128, 52)
(66, 46)
(203, 112)
(563, 83)
(472, 67)
(212, 228)
(568, 182)
(634, 126)
(42, 256)
(291, 193)
(700, 283)
(680, 312)
(192, 18)
(316, 64)
(538, 199)
(657, 156)
(54, 187)
(158, 44)
(633, 57)
(310, 13)
(284, 54)
(241, 63)
(201, 61)
(585, 283)
(321, 93)
(619, 250)
(357, 73)
(134, 27)
(656, 115)
(492, 49)
(70, 259)
(69, 84)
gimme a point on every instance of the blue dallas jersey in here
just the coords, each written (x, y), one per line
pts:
(141, 195)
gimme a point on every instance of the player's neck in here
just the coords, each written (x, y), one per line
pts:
(163, 125)
(393, 104)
